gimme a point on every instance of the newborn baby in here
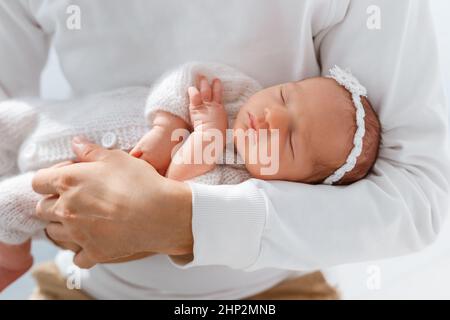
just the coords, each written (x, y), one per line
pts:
(319, 130)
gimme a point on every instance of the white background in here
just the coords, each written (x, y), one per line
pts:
(425, 275)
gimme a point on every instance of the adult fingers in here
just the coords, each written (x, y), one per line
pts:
(63, 164)
(57, 233)
(87, 151)
(46, 210)
(47, 181)
(66, 245)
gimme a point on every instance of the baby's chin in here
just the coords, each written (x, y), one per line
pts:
(264, 171)
(256, 170)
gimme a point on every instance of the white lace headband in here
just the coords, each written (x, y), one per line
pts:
(347, 80)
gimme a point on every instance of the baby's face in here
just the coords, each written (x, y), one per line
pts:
(313, 128)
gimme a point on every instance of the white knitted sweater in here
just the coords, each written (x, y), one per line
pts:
(38, 134)
(170, 95)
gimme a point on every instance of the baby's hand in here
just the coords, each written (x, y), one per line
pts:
(146, 150)
(207, 116)
(206, 109)
(156, 146)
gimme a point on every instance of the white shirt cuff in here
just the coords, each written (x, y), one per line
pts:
(227, 225)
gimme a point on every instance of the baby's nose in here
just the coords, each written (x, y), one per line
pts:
(275, 117)
(260, 122)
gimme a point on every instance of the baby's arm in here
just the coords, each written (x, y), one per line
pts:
(201, 151)
(157, 145)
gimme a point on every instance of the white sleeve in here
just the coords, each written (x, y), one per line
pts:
(398, 209)
(23, 50)
(23, 53)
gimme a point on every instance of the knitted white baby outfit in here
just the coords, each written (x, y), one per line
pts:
(170, 95)
(112, 119)
(17, 120)
(17, 203)
(44, 132)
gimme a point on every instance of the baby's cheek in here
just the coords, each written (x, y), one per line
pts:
(262, 165)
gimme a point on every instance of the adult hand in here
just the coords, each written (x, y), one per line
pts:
(113, 206)
(63, 245)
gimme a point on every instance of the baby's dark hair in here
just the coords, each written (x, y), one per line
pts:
(369, 154)
(370, 149)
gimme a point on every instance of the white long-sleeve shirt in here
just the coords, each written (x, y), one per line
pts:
(258, 225)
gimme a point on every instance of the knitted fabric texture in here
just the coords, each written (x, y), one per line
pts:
(17, 120)
(117, 113)
(170, 95)
(18, 202)
(45, 132)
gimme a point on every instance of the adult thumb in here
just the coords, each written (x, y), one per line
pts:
(87, 151)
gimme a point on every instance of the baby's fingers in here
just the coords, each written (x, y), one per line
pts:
(217, 91)
(205, 88)
(195, 98)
